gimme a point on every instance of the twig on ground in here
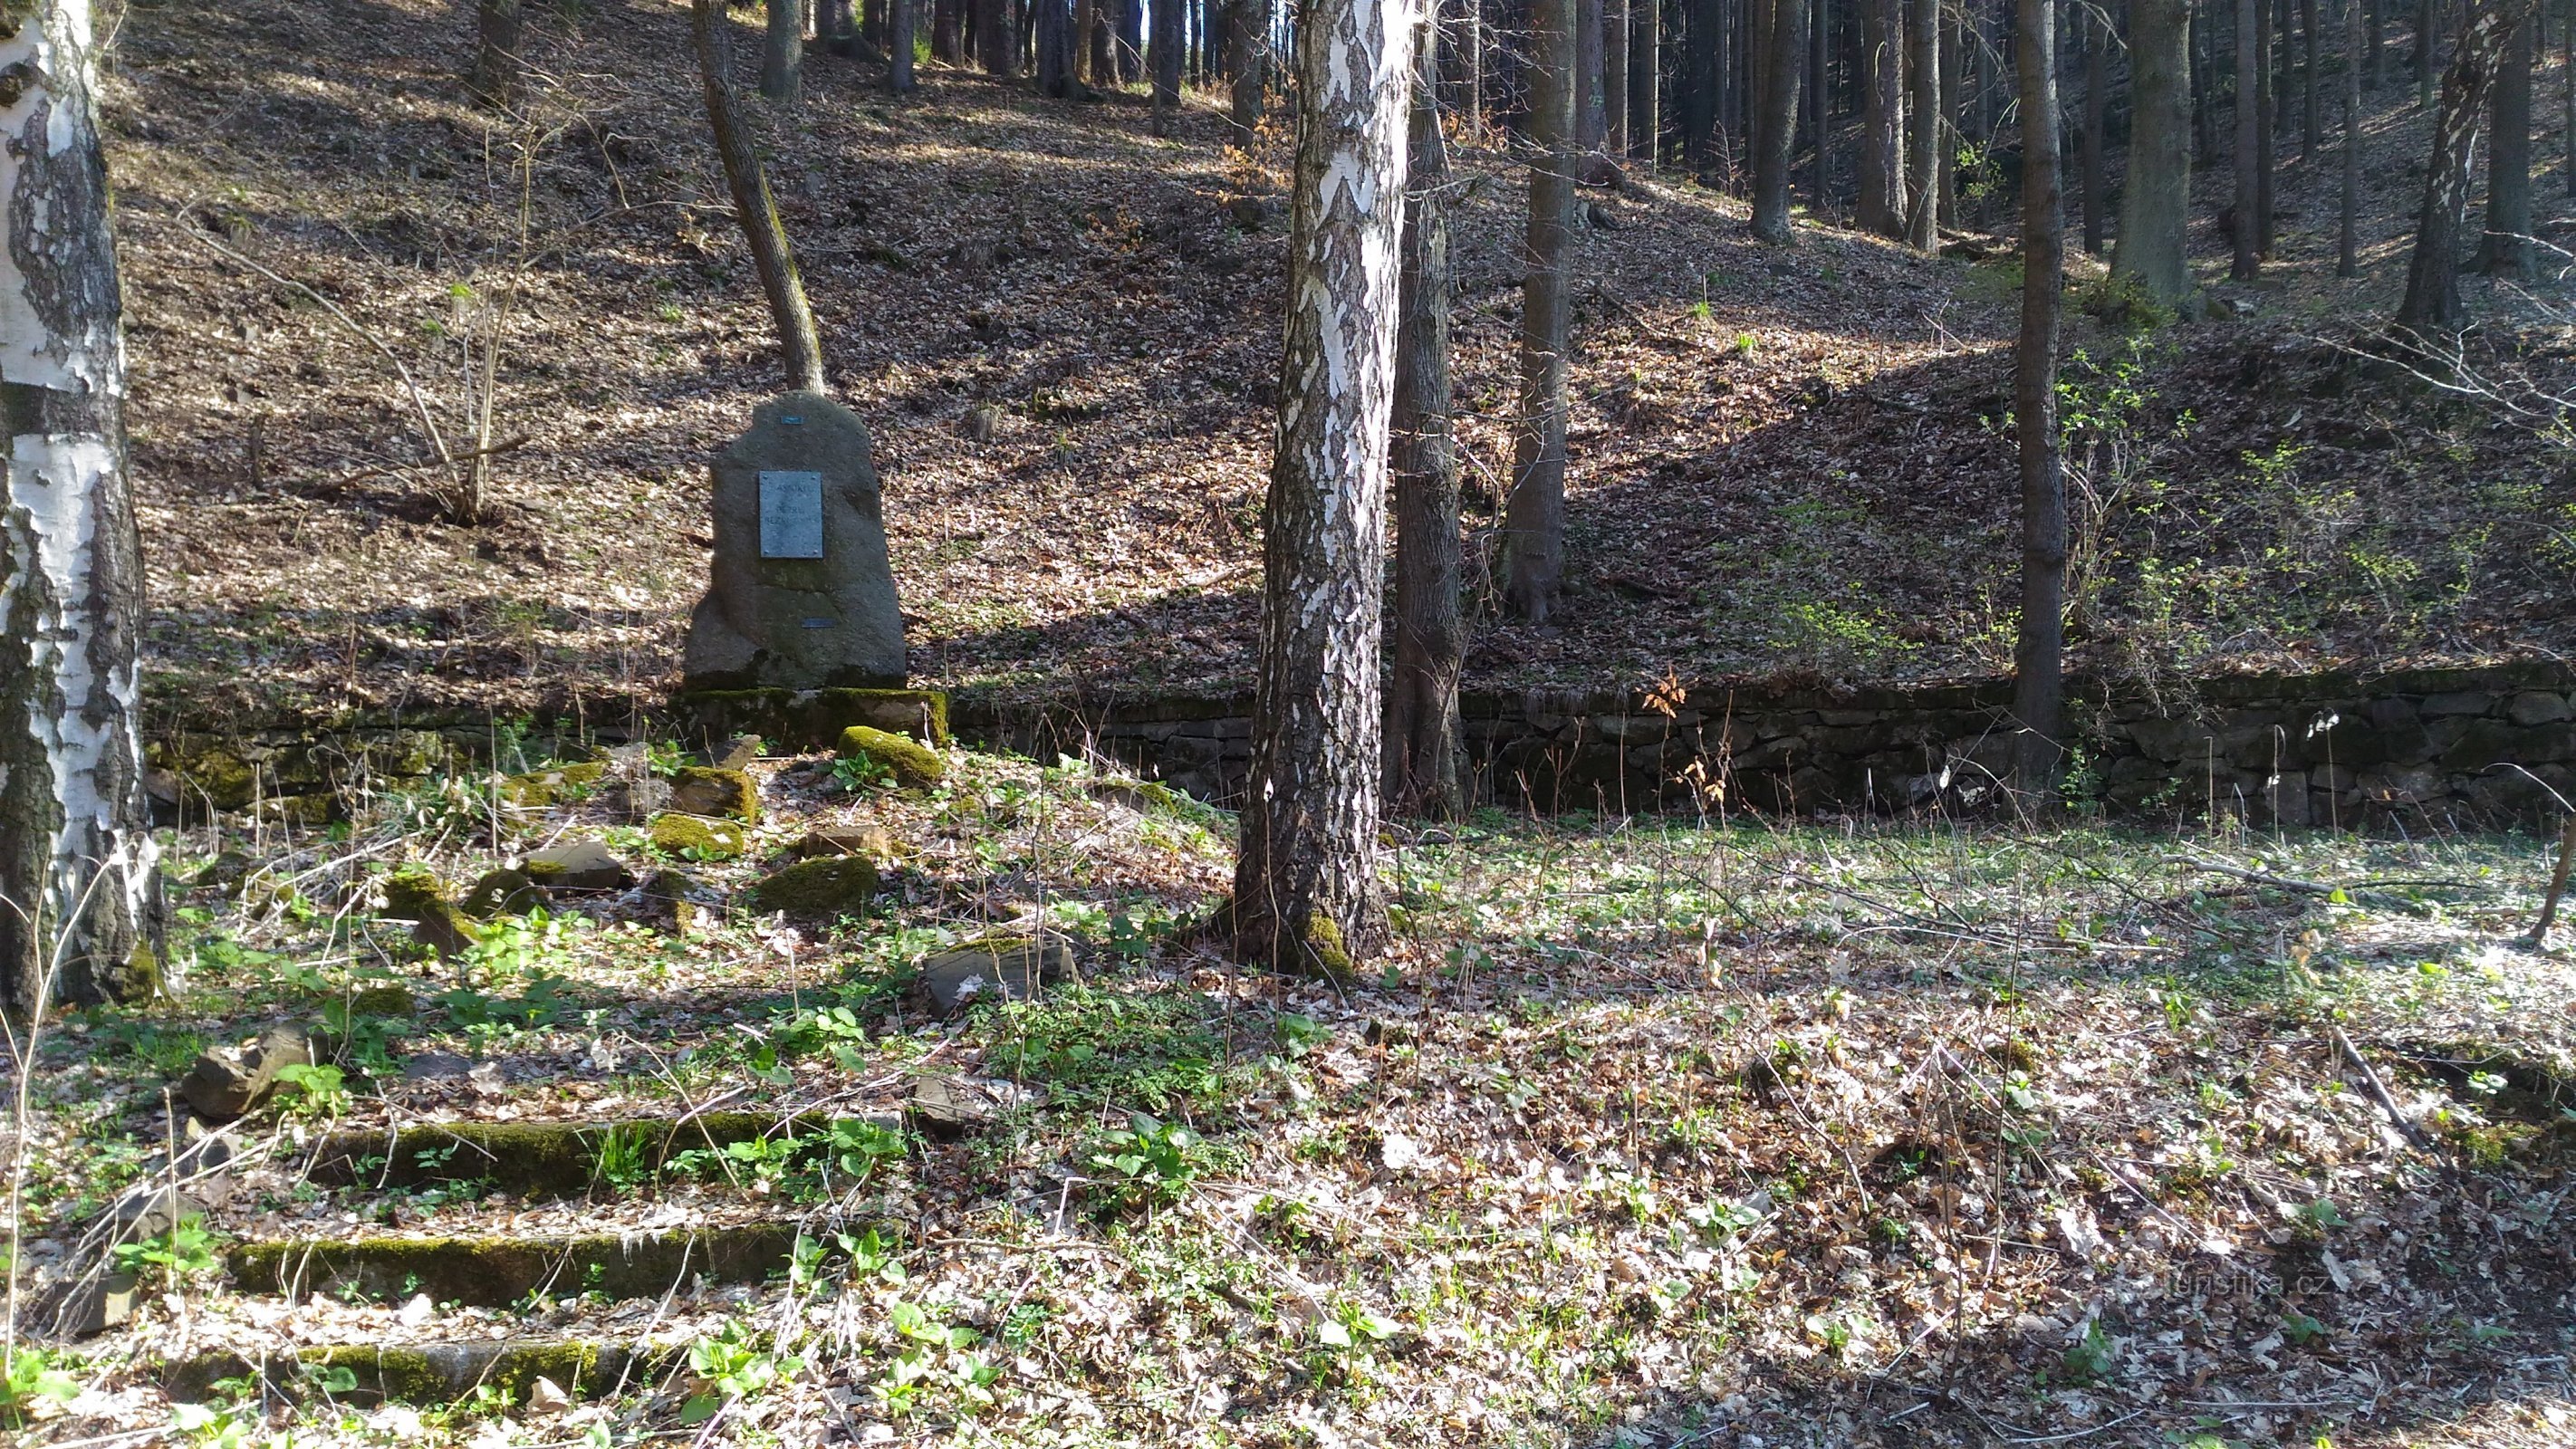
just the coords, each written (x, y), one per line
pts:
(2379, 1092)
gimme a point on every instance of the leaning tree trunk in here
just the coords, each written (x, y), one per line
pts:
(81, 910)
(1422, 742)
(2097, 107)
(1166, 58)
(1775, 131)
(1879, 198)
(2039, 654)
(1534, 518)
(2155, 204)
(496, 51)
(1923, 141)
(2241, 227)
(799, 342)
(2505, 251)
(2433, 312)
(782, 57)
(2348, 232)
(1645, 75)
(1251, 21)
(1306, 890)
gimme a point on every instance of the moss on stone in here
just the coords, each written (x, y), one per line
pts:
(218, 777)
(427, 1374)
(839, 886)
(503, 892)
(554, 784)
(413, 894)
(531, 1159)
(712, 791)
(493, 1272)
(384, 1001)
(914, 765)
(707, 837)
(814, 717)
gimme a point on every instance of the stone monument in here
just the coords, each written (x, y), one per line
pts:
(801, 595)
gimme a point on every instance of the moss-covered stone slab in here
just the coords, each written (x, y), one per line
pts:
(503, 892)
(489, 1272)
(914, 765)
(531, 1159)
(711, 791)
(1001, 968)
(415, 895)
(825, 888)
(698, 837)
(814, 718)
(537, 789)
(579, 864)
(429, 1373)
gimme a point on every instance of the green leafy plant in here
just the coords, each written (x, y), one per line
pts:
(312, 1091)
(730, 1365)
(857, 771)
(29, 1378)
(1147, 1163)
(624, 1159)
(859, 1147)
(2090, 1359)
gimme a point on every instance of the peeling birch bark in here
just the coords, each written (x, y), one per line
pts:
(80, 895)
(1306, 891)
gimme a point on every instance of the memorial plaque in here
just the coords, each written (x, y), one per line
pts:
(791, 514)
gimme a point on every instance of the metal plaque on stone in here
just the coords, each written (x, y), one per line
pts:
(791, 514)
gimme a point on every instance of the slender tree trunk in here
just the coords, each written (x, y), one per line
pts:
(1422, 740)
(1251, 20)
(2155, 203)
(2433, 311)
(1166, 58)
(2311, 117)
(2505, 251)
(1923, 139)
(1775, 131)
(2204, 88)
(2567, 87)
(944, 25)
(836, 29)
(1645, 95)
(2267, 128)
(2428, 44)
(1051, 46)
(1086, 31)
(81, 909)
(2097, 85)
(799, 341)
(1820, 95)
(782, 59)
(1614, 77)
(2249, 144)
(2348, 233)
(1131, 41)
(899, 45)
(1879, 204)
(1696, 106)
(497, 32)
(1102, 46)
(1726, 44)
(1306, 890)
(2375, 24)
(1590, 120)
(1534, 518)
(2038, 656)
(1954, 51)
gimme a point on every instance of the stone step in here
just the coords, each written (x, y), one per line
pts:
(493, 1272)
(428, 1373)
(530, 1159)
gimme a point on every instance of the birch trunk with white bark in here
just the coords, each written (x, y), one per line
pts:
(81, 910)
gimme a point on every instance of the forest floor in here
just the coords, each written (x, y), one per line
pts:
(1786, 460)
(1641, 1134)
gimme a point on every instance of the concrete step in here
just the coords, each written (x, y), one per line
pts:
(495, 1272)
(531, 1159)
(428, 1373)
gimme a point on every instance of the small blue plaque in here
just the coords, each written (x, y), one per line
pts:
(791, 514)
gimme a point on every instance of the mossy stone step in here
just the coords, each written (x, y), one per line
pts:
(531, 1159)
(492, 1272)
(428, 1373)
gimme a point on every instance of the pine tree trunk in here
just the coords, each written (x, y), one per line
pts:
(1697, 104)
(2348, 232)
(1775, 131)
(899, 46)
(836, 29)
(1590, 120)
(1954, 51)
(944, 25)
(1251, 21)
(2038, 655)
(2097, 85)
(2249, 144)
(782, 59)
(1103, 45)
(2567, 85)
(799, 342)
(1879, 204)
(2433, 311)
(2376, 24)
(1052, 47)
(2204, 91)
(1923, 112)
(2267, 128)
(1819, 100)
(1614, 77)
(2311, 119)
(1422, 740)
(1131, 41)
(2155, 202)
(1534, 518)
(81, 910)
(2428, 44)
(1725, 46)
(1645, 81)
(497, 29)
(2505, 251)
(1306, 890)
(1166, 59)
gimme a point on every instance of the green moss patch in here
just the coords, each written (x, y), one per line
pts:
(698, 837)
(914, 765)
(841, 886)
(709, 791)
(553, 785)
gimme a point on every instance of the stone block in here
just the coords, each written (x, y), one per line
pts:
(2457, 702)
(2534, 707)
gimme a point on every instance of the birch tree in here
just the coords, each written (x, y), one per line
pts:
(80, 892)
(1306, 891)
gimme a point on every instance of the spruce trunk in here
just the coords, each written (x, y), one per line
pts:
(1775, 130)
(1923, 112)
(1534, 518)
(2038, 655)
